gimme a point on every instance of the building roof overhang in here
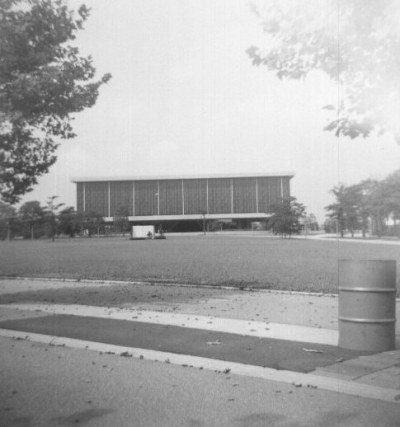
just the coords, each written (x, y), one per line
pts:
(179, 177)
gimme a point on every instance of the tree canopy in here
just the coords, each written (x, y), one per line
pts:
(43, 82)
(32, 221)
(8, 215)
(371, 202)
(347, 207)
(354, 42)
(33, 218)
(68, 221)
(286, 216)
(52, 211)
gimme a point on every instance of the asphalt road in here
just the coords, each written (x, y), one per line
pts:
(43, 385)
(272, 353)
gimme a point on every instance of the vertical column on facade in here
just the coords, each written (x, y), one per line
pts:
(109, 200)
(133, 198)
(257, 195)
(232, 195)
(282, 187)
(183, 199)
(158, 198)
(207, 204)
(84, 196)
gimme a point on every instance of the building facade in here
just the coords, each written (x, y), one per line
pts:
(183, 198)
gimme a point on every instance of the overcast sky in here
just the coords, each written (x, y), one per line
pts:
(185, 99)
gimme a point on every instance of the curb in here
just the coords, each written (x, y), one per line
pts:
(182, 285)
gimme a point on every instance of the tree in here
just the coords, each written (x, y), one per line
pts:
(310, 223)
(377, 199)
(369, 203)
(8, 216)
(286, 217)
(352, 207)
(92, 222)
(354, 42)
(121, 219)
(330, 225)
(43, 82)
(52, 209)
(392, 189)
(32, 216)
(363, 209)
(346, 210)
(336, 209)
(68, 222)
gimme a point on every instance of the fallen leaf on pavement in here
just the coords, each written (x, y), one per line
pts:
(311, 350)
(217, 342)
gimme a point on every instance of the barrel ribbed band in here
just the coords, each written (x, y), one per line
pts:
(354, 289)
(361, 320)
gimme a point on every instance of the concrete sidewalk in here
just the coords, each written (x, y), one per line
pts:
(320, 236)
(258, 313)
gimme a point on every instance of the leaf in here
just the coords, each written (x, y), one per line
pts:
(311, 350)
(217, 342)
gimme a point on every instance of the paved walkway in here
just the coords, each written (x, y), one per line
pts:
(290, 316)
(326, 237)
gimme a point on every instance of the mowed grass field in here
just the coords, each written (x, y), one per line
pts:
(229, 260)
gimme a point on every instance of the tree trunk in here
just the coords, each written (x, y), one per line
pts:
(53, 229)
(379, 227)
(396, 228)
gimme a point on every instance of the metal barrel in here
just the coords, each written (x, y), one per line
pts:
(367, 304)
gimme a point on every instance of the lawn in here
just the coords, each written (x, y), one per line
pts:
(259, 262)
